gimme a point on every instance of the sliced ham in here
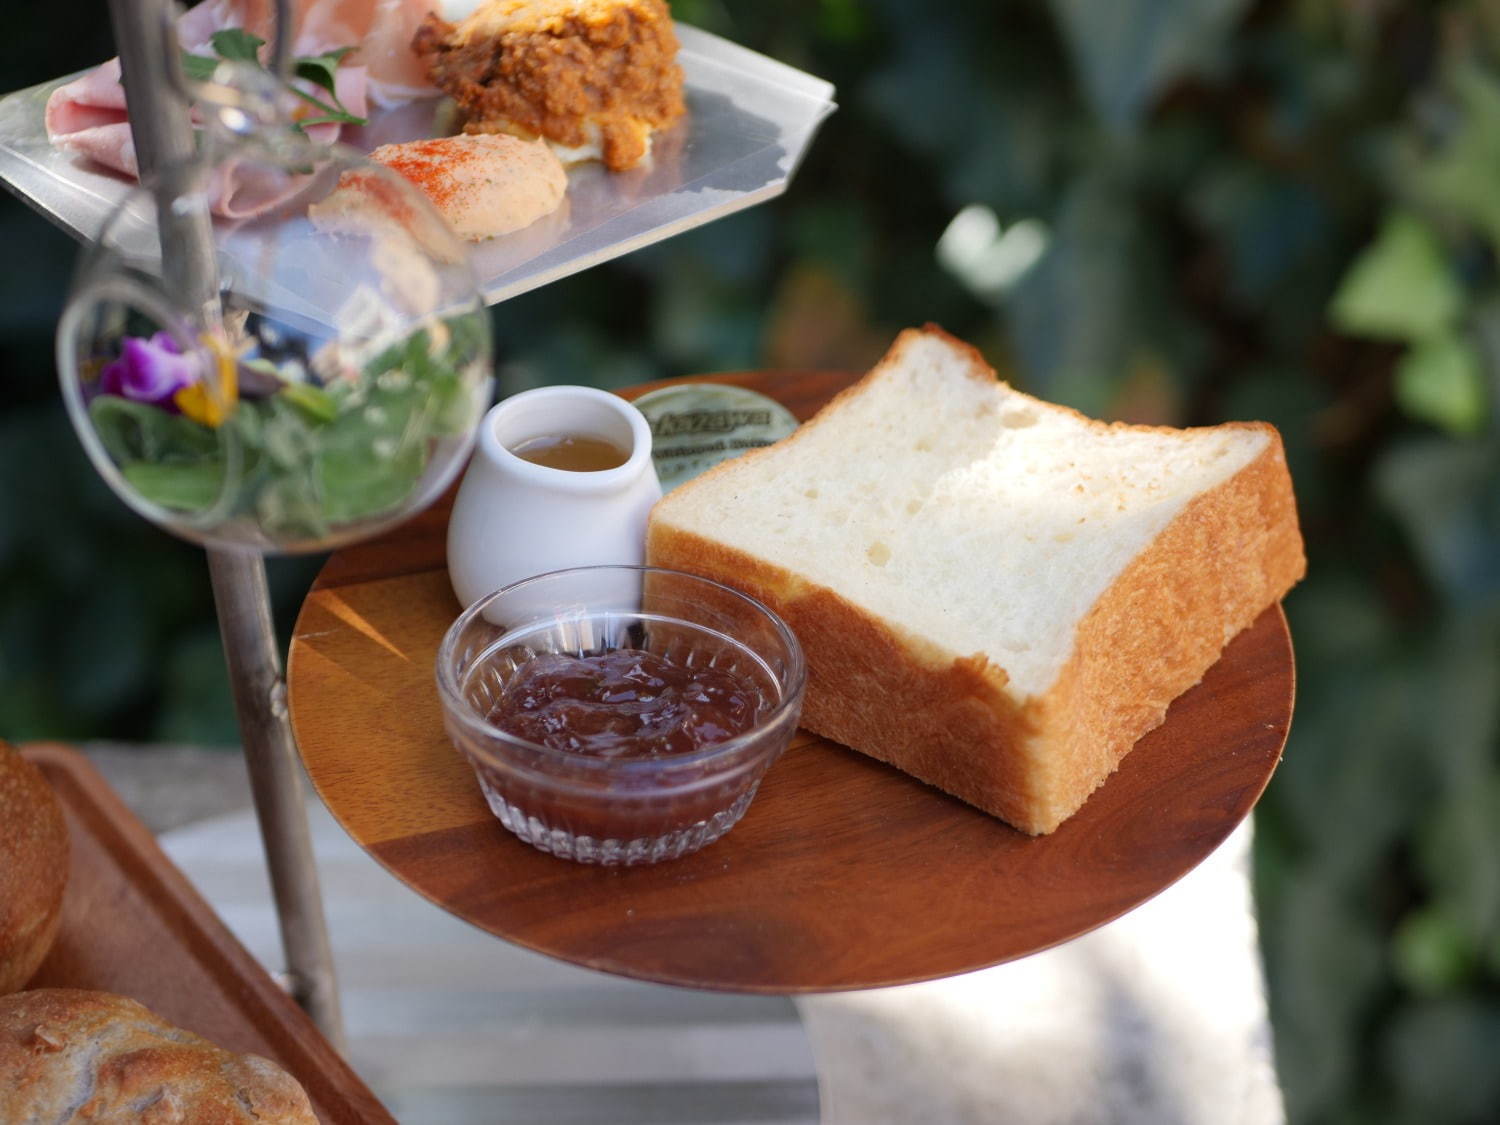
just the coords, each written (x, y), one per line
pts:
(110, 145)
(381, 32)
(239, 189)
(397, 74)
(258, 17)
(96, 98)
(242, 190)
(88, 115)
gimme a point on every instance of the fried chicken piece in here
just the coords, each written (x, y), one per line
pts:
(591, 77)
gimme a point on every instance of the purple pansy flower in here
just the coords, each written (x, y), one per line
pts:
(149, 371)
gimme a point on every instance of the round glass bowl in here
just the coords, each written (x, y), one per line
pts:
(332, 385)
(623, 810)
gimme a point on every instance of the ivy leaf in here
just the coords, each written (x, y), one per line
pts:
(196, 707)
(237, 45)
(1446, 496)
(1093, 260)
(1460, 179)
(1455, 848)
(1332, 965)
(110, 631)
(1440, 381)
(1439, 1055)
(1127, 52)
(319, 69)
(1271, 226)
(1430, 953)
(1400, 287)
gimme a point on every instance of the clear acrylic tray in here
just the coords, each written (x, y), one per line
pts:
(749, 122)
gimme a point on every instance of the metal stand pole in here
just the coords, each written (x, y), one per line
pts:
(164, 145)
(243, 602)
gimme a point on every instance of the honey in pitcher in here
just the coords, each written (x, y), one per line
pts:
(577, 453)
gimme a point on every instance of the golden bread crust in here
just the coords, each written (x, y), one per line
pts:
(1230, 553)
(947, 718)
(69, 1054)
(33, 868)
(877, 690)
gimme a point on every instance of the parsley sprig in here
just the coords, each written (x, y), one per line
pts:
(238, 45)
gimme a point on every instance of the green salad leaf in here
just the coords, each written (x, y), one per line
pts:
(193, 486)
(312, 457)
(168, 459)
(139, 431)
(317, 404)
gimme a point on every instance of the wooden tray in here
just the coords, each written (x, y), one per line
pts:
(133, 925)
(844, 873)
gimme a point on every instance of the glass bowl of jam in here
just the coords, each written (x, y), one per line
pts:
(620, 715)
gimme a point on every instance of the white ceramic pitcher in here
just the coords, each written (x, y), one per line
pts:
(513, 519)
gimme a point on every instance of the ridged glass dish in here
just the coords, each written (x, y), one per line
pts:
(625, 810)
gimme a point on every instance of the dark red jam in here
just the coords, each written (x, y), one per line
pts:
(626, 704)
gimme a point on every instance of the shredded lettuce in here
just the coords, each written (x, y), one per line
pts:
(312, 458)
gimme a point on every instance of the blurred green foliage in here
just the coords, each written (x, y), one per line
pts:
(1163, 210)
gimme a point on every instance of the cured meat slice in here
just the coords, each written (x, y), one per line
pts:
(89, 115)
(397, 74)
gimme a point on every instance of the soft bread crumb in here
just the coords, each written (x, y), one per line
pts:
(1046, 505)
(1024, 590)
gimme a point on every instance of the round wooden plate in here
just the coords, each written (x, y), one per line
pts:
(844, 874)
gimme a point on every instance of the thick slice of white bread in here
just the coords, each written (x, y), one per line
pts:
(995, 594)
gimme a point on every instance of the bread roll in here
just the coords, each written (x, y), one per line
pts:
(33, 868)
(994, 593)
(69, 1055)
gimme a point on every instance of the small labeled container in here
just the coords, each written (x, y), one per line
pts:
(695, 426)
(624, 809)
(514, 518)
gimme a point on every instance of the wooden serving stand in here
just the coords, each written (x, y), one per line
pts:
(132, 924)
(844, 874)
